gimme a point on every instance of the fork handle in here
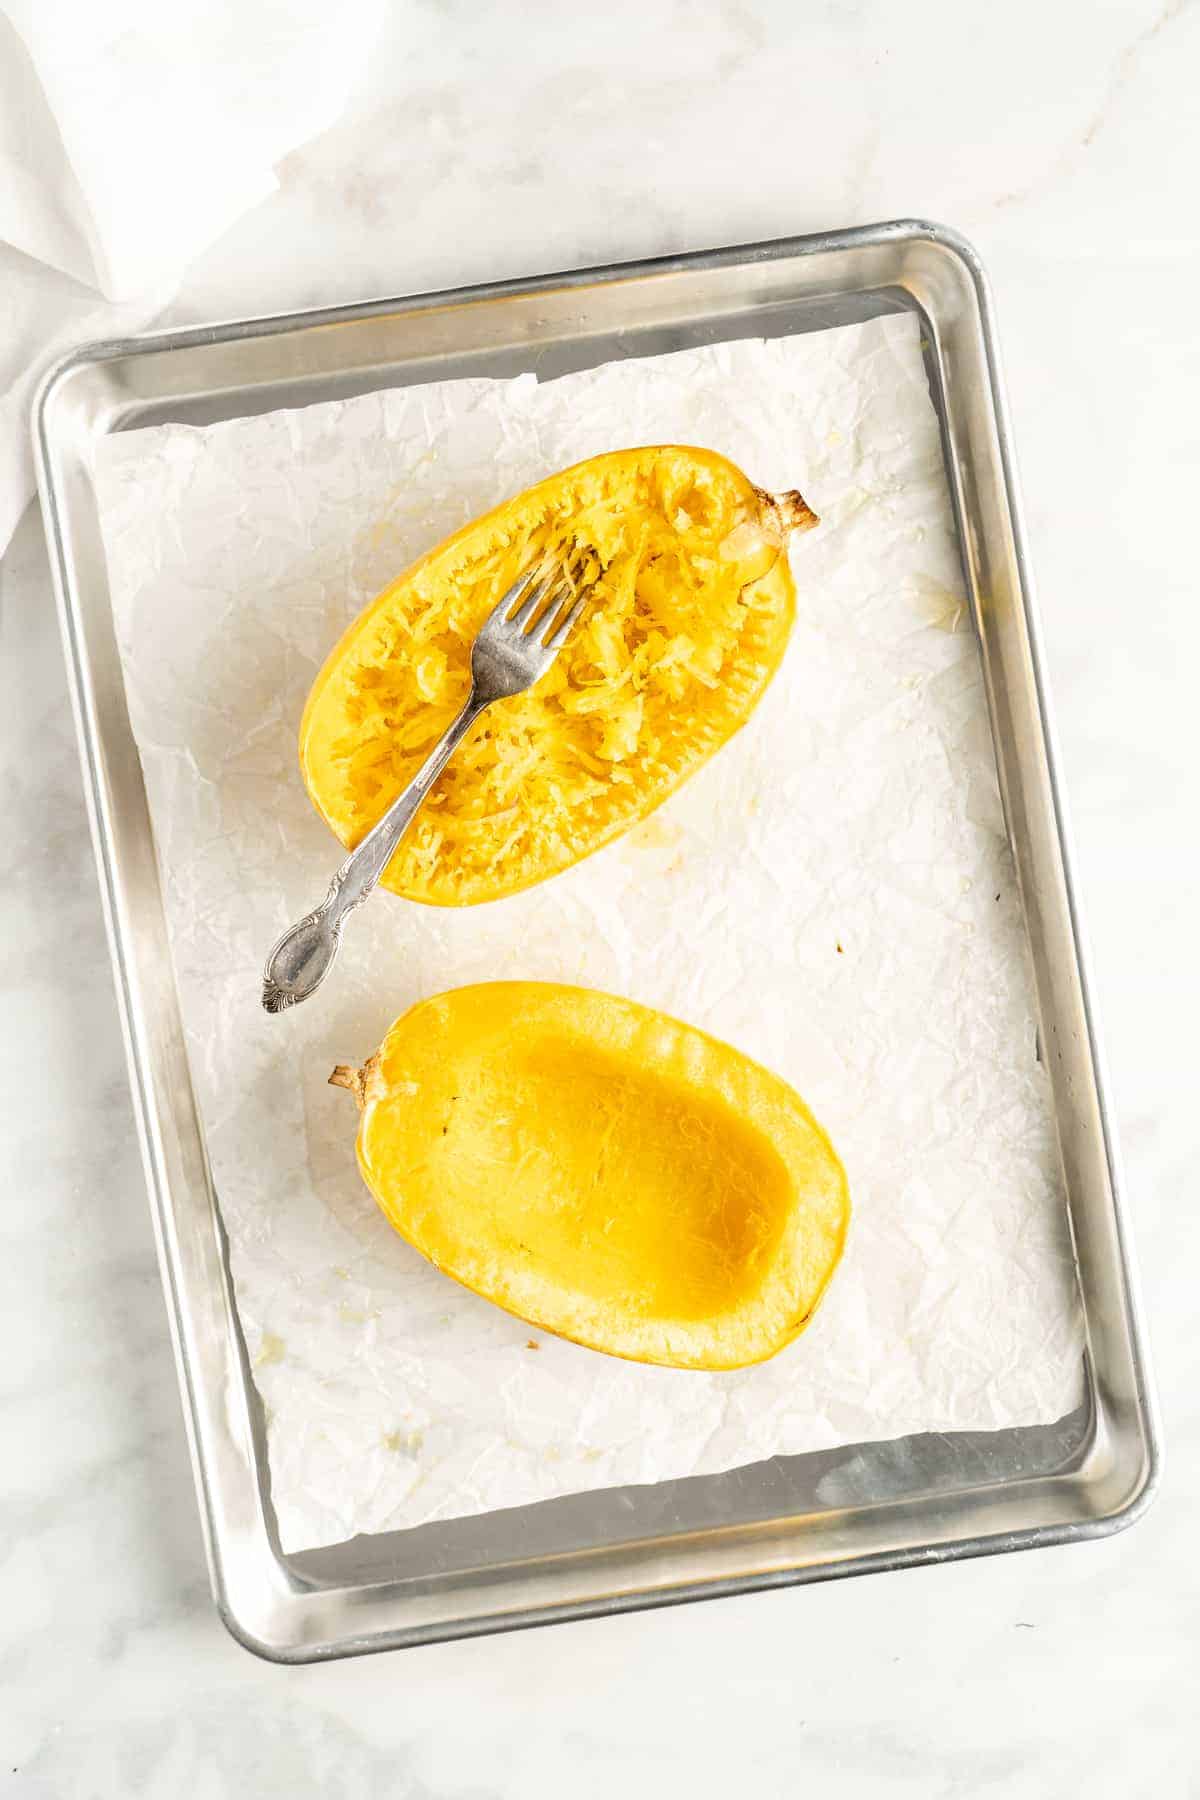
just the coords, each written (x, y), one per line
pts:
(360, 872)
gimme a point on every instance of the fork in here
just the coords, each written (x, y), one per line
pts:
(517, 643)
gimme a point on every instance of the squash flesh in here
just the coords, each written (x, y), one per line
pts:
(692, 606)
(603, 1171)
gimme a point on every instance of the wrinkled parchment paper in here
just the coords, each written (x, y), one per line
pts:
(833, 893)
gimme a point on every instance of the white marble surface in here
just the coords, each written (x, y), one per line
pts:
(1066, 141)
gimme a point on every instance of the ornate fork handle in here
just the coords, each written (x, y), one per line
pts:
(300, 959)
(516, 644)
(360, 872)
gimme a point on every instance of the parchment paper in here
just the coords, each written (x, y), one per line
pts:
(833, 893)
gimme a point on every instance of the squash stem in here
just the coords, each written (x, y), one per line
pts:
(355, 1080)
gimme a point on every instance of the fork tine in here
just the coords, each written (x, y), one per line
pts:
(563, 632)
(568, 580)
(523, 617)
(512, 595)
(559, 592)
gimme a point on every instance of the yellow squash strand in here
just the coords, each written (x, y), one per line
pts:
(693, 602)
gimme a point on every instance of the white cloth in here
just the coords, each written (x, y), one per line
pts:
(131, 135)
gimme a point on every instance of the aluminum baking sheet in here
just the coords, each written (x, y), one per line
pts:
(880, 1505)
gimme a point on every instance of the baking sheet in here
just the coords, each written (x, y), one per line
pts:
(833, 893)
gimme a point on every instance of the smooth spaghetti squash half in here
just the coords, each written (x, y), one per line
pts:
(602, 1171)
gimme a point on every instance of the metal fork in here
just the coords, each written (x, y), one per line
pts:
(517, 643)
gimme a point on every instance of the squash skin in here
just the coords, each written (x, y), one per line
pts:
(664, 669)
(603, 1171)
